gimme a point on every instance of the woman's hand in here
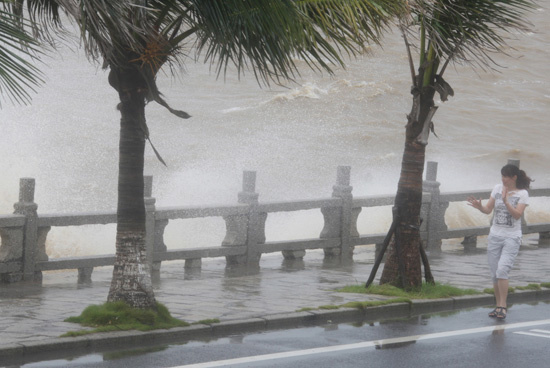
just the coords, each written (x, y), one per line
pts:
(475, 203)
(504, 194)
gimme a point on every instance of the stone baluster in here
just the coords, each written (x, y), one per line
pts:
(27, 207)
(11, 250)
(435, 214)
(513, 161)
(149, 218)
(544, 238)
(469, 242)
(154, 228)
(341, 222)
(247, 229)
(85, 275)
(41, 255)
(235, 234)
(256, 220)
(160, 246)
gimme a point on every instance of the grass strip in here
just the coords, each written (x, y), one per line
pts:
(426, 291)
(491, 291)
(529, 287)
(119, 316)
(207, 321)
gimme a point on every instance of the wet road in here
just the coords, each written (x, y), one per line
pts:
(466, 338)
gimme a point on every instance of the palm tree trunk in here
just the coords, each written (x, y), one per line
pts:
(408, 202)
(131, 281)
(403, 265)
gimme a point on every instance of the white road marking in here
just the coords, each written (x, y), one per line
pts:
(366, 344)
(537, 333)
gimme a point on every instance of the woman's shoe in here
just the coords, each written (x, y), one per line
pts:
(494, 312)
(501, 314)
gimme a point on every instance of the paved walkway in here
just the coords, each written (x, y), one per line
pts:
(35, 313)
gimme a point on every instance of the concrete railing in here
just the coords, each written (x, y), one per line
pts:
(24, 233)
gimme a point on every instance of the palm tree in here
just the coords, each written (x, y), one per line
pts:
(460, 31)
(17, 49)
(137, 38)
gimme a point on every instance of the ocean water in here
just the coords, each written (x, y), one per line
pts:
(293, 136)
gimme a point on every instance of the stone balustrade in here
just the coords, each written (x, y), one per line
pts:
(24, 233)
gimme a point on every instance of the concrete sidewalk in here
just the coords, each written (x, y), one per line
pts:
(31, 316)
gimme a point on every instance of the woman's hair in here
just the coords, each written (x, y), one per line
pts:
(523, 181)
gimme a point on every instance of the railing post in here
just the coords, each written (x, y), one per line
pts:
(341, 222)
(11, 250)
(248, 229)
(236, 228)
(41, 255)
(154, 238)
(544, 238)
(513, 161)
(149, 218)
(435, 221)
(85, 275)
(469, 242)
(28, 208)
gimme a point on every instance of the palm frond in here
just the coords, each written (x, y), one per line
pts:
(267, 37)
(18, 50)
(470, 31)
(109, 29)
(351, 20)
(44, 18)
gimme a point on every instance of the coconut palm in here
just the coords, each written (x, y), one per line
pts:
(135, 39)
(441, 31)
(17, 50)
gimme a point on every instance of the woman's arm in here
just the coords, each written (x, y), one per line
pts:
(516, 212)
(487, 209)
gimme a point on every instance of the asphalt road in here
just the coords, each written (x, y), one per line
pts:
(467, 338)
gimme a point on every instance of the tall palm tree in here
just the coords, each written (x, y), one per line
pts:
(460, 31)
(136, 38)
(17, 50)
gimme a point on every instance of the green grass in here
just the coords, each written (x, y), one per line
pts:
(119, 316)
(207, 321)
(329, 307)
(427, 291)
(529, 287)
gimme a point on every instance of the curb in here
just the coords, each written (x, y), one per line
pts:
(53, 348)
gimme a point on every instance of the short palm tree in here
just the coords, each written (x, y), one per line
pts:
(460, 31)
(137, 38)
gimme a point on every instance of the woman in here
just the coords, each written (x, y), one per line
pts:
(509, 200)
